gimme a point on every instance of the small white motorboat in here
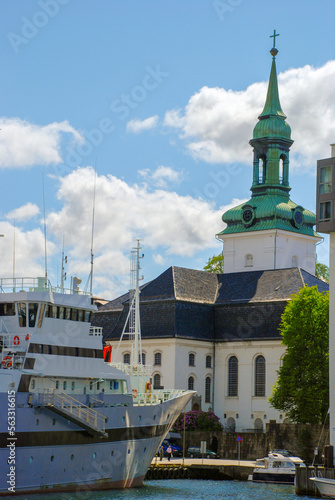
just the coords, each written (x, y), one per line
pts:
(276, 468)
(325, 486)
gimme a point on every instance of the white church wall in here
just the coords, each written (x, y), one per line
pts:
(245, 408)
(271, 249)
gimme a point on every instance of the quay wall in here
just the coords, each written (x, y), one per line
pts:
(301, 439)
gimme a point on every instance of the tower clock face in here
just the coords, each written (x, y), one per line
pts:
(247, 215)
(298, 217)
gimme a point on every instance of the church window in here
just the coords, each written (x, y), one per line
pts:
(260, 376)
(249, 260)
(208, 361)
(143, 358)
(190, 383)
(158, 358)
(233, 376)
(295, 261)
(326, 179)
(208, 390)
(325, 210)
(157, 381)
(126, 358)
(191, 359)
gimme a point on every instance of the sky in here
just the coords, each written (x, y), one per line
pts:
(150, 105)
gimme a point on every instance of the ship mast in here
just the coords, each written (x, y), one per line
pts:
(134, 319)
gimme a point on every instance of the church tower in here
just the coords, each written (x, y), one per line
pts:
(269, 231)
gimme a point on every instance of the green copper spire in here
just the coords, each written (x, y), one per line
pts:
(270, 206)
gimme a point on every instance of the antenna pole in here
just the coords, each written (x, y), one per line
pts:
(45, 234)
(93, 214)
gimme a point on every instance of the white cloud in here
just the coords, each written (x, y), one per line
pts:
(137, 126)
(39, 144)
(167, 223)
(23, 213)
(161, 176)
(217, 124)
(159, 259)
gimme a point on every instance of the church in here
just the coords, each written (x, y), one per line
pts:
(218, 334)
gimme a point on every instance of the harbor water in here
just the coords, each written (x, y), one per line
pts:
(174, 489)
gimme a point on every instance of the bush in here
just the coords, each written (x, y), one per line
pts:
(197, 420)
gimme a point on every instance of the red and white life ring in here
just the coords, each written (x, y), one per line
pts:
(134, 393)
(7, 361)
(16, 340)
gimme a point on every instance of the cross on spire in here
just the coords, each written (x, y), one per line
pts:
(274, 38)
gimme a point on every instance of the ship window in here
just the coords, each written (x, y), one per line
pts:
(40, 316)
(74, 314)
(33, 384)
(72, 385)
(98, 386)
(158, 358)
(64, 385)
(91, 385)
(87, 316)
(7, 309)
(260, 376)
(22, 312)
(32, 308)
(61, 311)
(72, 457)
(233, 376)
(190, 383)
(53, 311)
(80, 315)
(67, 313)
(52, 458)
(57, 384)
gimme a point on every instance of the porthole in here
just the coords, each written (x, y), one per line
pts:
(154, 417)
(145, 449)
(128, 451)
(123, 418)
(52, 458)
(112, 453)
(72, 457)
(37, 421)
(31, 460)
(139, 418)
(53, 421)
(94, 456)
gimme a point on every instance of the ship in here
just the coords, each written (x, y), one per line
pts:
(71, 419)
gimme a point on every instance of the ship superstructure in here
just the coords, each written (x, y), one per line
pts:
(70, 420)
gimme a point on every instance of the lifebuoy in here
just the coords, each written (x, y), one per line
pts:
(7, 361)
(16, 340)
(134, 393)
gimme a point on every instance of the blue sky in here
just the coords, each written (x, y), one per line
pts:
(162, 97)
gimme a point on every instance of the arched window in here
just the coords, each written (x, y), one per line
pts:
(126, 358)
(158, 358)
(208, 390)
(258, 425)
(230, 425)
(262, 170)
(233, 376)
(190, 383)
(249, 260)
(157, 381)
(191, 359)
(260, 376)
(143, 358)
(208, 361)
(295, 261)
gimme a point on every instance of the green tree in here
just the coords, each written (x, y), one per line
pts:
(322, 271)
(215, 264)
(302, 387)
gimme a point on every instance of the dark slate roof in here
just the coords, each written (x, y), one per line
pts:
(196, 304)
(255, 286)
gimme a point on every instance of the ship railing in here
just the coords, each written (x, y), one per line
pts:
(133, 369)
(39, 284)
(61, 400)
(157, 396)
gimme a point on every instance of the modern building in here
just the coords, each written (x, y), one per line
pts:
(218, 333)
